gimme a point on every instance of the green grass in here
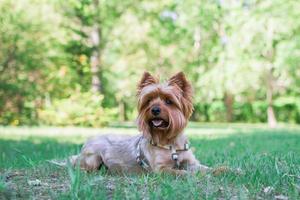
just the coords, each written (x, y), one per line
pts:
(266, 157)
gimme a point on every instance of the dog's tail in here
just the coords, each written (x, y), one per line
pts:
(72, 160)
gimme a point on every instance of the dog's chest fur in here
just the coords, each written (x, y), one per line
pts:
(158, 156)
(164, 157)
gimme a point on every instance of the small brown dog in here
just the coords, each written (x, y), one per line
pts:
(164, 110)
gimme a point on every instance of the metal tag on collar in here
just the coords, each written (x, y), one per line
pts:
(174, 156)
(186, 146)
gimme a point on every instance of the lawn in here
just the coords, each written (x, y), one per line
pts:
(268, 161)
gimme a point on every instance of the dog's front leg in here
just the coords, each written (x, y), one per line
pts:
(194, 166)
(168, 170)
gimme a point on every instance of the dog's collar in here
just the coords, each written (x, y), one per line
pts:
(140, 157)
(144, 163)
(172, 148)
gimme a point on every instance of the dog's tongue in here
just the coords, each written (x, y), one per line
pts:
(157, 122)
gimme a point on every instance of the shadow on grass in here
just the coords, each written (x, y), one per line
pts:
(31, 151)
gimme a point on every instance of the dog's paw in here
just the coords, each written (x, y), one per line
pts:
(226, 170)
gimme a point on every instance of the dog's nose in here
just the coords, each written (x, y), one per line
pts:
(155, 111)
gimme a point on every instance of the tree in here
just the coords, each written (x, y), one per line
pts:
(29, 51)
(251, 34)
(272, 25)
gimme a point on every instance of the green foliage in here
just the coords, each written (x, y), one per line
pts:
(288, 109)
(81, 109)
(242, 57)
(30, 51)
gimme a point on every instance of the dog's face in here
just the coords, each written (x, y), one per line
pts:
(164, 108)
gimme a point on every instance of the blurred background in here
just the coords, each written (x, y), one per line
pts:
(77, 62)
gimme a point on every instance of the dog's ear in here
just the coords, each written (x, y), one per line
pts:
(184, 85)
(146, 80)
(180, 80)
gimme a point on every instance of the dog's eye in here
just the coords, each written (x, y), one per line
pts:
(168, 101)
(148, 101)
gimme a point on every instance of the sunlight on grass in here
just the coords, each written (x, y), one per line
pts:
(268, 158)
(78, 134)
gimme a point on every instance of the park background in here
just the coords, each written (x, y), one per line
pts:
(77, 63)
(69, 71)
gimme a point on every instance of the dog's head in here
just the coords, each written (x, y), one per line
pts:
(164, 108)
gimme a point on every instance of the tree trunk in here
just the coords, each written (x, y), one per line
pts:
(228, 100)
(206, 114)
(272, 122)
(95, 60)
(122, 110)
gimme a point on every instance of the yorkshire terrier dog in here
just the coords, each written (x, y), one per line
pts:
(164, 110)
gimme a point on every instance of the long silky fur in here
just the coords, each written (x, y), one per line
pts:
(118, 153)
